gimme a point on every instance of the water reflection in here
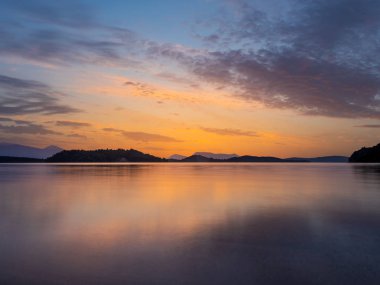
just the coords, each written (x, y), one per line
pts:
(190, 224)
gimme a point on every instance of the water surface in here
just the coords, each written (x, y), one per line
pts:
(190, 224)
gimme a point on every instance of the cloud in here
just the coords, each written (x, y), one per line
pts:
(286, 80)
(11, 126)
(177, 79)
(374, 126)
(18, 96)
(230, 132)
(142, 88)
(142, 136)
(72, 124)
(320, 59)
(62, 33)
(76, 136)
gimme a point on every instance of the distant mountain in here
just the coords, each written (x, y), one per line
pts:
(200, 158)
(103, 155)
(366, 154)
(176, 157)
(244, 158)
(216, 155)
(17, 150)
(250, 158)
(321, 159)
(12, 159)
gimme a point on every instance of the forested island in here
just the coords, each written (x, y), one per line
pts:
(366, 154)
(104, 155)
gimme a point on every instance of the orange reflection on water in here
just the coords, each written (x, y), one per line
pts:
(108, 204)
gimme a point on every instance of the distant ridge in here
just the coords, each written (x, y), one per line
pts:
(221, 157)
(200, 158)
(250, 158)
(322, 159)
(12, 159)
(18, 150)
(216, 155)
(176, 157)
(244, 158)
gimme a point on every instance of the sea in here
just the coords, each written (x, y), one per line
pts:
(190, 223)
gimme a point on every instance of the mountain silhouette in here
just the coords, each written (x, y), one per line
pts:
(244, 158)
(366, 154)
(200, 158)
(216, 155)
(176, 157)
(18, 150)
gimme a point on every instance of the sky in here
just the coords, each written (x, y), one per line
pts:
(282, 78)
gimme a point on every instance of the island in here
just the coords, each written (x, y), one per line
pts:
(366, 155)
(104, 155)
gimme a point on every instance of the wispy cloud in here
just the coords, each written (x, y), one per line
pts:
(374, 126)
(72, 124)
(141, 88)
(142, 136)
(62, 34)
(11, 126)
(76, 136)
(18, 96)
(230, 132)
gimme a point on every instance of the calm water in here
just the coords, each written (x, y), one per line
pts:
(190, 224)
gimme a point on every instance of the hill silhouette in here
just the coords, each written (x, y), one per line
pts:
(104, 155)
(366, 154)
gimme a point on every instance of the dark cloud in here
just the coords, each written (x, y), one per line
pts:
(312, 87)
(62, 33)
(77, 136)
(142, 136)
(230, 132)
(177, 79)
(11, 126)
(142, 88)
(321, 58)
(72, 124)
(60, 47)
(18, 96)
(374, 126)
(3, 119)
